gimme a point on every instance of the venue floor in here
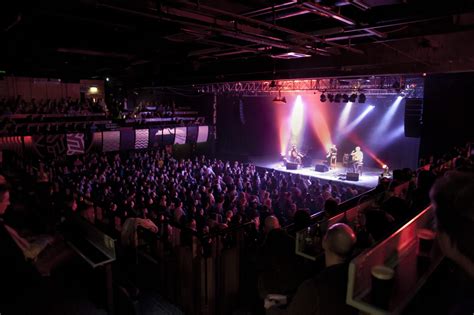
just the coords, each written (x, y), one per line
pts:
(369, 178)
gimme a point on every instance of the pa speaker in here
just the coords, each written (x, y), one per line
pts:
(413, 117)
(291, 166)
(321, 168)
(352, 177)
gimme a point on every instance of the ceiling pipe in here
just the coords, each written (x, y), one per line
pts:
(268, 25)
(267, 10)
(323, 11)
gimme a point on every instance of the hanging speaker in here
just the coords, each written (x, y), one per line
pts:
(413, 117)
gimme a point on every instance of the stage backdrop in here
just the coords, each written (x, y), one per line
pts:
(257, 126)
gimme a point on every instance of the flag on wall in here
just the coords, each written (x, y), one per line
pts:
(159, 137)
(49, 145)
(111, 141)
(180, 135)
(127, 139)
(75, 143)
(96, 142)
(203, 134)
(192, 134)
(141, 138)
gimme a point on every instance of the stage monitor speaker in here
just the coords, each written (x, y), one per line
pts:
(352, 177)
(321, 168)
(291, 166)
(413, 117)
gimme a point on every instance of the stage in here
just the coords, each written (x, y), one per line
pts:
(369, 178)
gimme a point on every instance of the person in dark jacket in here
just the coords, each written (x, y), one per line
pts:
(16, 274)
(325, 293)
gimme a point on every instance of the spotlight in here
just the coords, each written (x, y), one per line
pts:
(322, 98)
(337, 98)
(345, 98)
(107, 79)
(353, 98)
(362, 98)
(331, 97)
(279, 98)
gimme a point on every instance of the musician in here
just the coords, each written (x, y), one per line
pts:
(294, 155)
(331, 156)
(357, 160)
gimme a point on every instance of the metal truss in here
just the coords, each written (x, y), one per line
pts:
(386, 85)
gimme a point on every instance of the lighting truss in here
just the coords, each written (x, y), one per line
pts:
(381, 85)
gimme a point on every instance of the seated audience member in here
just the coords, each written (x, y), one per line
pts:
(325, 293)
(16, 273)
(453, 201)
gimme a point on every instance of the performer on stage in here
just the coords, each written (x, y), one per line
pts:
(331, 156)
(294, 155)
(357, 160)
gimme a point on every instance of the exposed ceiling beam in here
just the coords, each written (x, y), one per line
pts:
(268, 25)
(326, 12)
(89, 52)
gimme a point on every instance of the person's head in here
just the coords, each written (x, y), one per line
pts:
(88, 213)
(330, 206)
(4, 198)
(338, 243)
(453, 201)
(357, 149)
(271, 223)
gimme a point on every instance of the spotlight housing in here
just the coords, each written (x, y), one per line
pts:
(323, 98)
(362, 98)
(337, 98)
(331, 97)
(279, 98)
(353, 98)
(345, 98)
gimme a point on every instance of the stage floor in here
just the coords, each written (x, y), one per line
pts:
(369, 178)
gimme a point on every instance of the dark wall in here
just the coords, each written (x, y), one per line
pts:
(252, 131)
(447, 121)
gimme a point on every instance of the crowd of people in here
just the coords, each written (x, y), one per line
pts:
(203, 194)
(9, 106)
(153, 189)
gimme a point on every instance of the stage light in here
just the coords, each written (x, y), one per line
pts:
(362, 98)
(93, 90)
(345, 98)
(297, 118)
(353, 98)
(385, 166)
(337, 98)
(107, 79)
(330, 98)
(357, 121)
(385, 122)
(344, 117)
(279, 99)
(322, 98)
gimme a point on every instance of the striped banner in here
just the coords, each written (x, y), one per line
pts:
(12, 144)
(141, 138)
(203, 134)
(75, 143)
(180, 135)
(111, 141)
